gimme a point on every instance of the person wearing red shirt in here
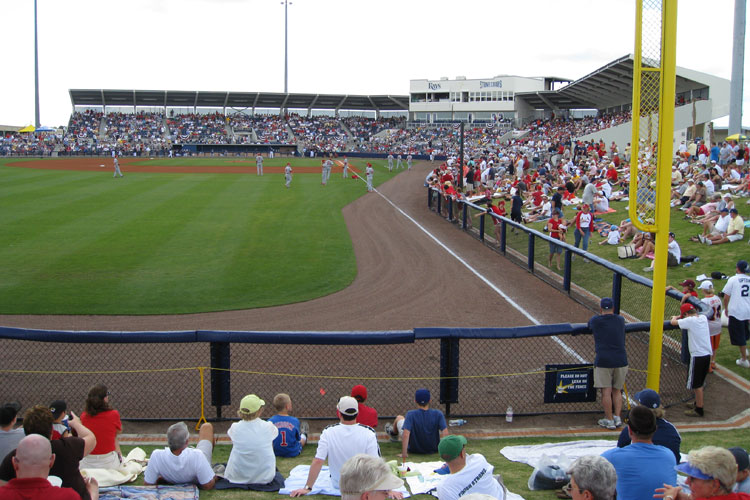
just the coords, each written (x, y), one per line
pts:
(366, 415)
(556, 229)
(105, 423)
(498, 210)
(612, 173)
(32, 462)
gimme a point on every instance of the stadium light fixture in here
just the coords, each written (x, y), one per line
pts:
(286, 4)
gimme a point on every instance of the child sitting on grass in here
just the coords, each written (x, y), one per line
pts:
(292, 437)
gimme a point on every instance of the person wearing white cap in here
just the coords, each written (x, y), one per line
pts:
(252, 460)
(364, 477)
(338, 443)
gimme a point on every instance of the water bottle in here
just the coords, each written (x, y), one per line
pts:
(457, 422)
(688, 264)
(509, 414)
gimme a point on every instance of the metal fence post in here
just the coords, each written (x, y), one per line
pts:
(448, 373)
(429, 198)
(481, 228)
(451, 204)
(439, 204)
(530, 257)
(220, 384)
(617, 291)
(464, 215)
(567, 272)
(503, 233)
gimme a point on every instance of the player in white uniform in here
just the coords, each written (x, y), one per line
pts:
(346, 166)
(288, 174)
(390, 163)
(737, 306)
(408, 161)
(117, 166)
(327, 164)
(398, 162)
(259, 164)
(369, 171)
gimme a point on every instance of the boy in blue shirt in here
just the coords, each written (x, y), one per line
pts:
(291, 436)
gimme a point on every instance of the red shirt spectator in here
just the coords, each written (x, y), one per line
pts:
(366, 415)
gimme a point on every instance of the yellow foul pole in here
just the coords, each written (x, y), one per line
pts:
(652, 148)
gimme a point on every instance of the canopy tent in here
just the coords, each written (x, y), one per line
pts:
(29, 128)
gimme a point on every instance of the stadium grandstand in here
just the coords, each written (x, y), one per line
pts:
(498, 111)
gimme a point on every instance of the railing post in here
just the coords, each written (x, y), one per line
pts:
(481, 228)
(220, 385)
(503, 233)
(464, 213)
(429, 198)
(439, 204)
(530, 257)
(448, 373)
(616, 291)
(451, 204)
(567, 272)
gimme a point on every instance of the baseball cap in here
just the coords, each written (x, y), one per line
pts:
(691, 471)
(706, 285)
(740, 456)
(689, 283)
(450, 446)
(742, 265)
(422, 396)
(359, 390)
(57, 407)
(724, 210)
(684, 308)
(613, 228)
(251, 403)
(648, 398)
(672, 234)
(606, 303)
(8, 412)
(733, 211)
(348, 406)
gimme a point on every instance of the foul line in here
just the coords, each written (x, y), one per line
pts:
(476, 273)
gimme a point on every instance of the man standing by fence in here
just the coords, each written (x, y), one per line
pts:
(611, 362)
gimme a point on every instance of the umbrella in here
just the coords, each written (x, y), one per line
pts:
(29, 128)
(45, 129)
(737, 137)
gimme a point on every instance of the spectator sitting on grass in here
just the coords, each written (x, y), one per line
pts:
(613, 237)
(743, 470)
(666, 434)
(673, 254)
(179, 464)
(592, 477)
(252, 459)
(735, 231)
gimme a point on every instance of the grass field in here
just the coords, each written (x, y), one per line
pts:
(84, 243)
(514, 474)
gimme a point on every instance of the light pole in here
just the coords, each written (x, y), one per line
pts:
(36, 72)
(286, 4)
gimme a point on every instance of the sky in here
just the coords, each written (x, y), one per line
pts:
(335, 46)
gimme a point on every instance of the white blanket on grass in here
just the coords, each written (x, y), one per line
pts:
(428, 480)
(298, 477)
(530, 454)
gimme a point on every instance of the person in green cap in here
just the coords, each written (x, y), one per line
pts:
(468, 473)
(251, 460)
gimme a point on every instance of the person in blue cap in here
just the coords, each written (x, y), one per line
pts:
(420, 431)
(666, 434)
(711, 473)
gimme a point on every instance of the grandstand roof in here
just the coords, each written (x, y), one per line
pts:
(611, 85)
(179, 98)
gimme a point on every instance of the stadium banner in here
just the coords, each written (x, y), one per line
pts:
(569, 384)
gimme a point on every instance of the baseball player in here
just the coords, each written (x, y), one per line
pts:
(369, 171)
(288, 174)
(346, 166)
(408, 161)
(117, 167)
(390, 162)
(327, 165)
(259, 163)
(398, 162)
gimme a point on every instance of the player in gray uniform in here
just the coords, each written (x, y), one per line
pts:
(398, 162)
(117, 168)
(408, 161)
(369, 171)
(288, 174)
(259, 163)
(327, 164)
(390, 163)
(346, 166)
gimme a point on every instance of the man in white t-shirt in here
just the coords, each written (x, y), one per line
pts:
(179, 464)
(469, 473)
(737, 306)
(338, 443)
(735, 230)
(699, 345)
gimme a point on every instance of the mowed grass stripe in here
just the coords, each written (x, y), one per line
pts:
(94, 248)
(84, 243)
